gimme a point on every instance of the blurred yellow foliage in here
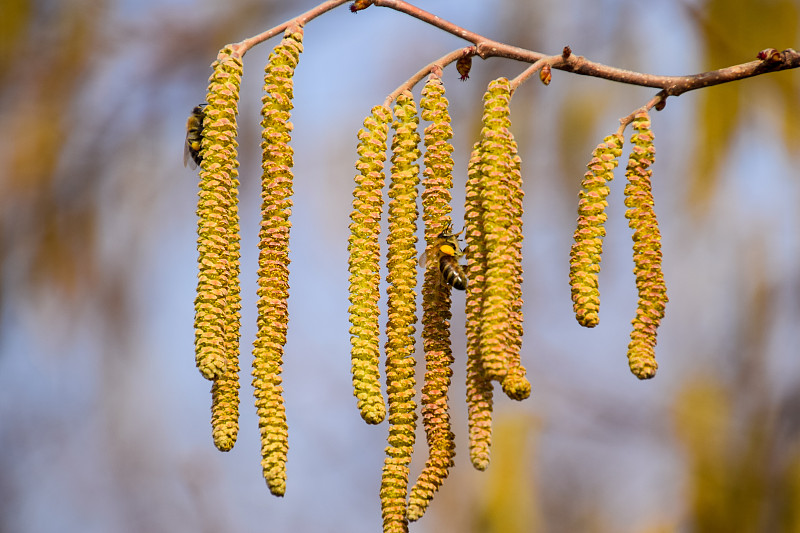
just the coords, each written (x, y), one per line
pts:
(739, 476)
(733, 31)
(511, 504)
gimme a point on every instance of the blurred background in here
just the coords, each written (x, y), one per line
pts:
(104, 419)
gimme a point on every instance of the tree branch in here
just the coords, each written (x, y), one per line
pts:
(658, 101)
(243, 46)
(486, 48)
(672, 85)
(533, 69)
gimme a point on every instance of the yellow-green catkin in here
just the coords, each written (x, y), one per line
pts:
(225, 389)
(401, 304)
(273, 260)
(493, 227)
(516, 385)
(216, 314)
(588, 246)
(218, 300)
(436, 196)
(364, 261)
(225, 406)
(501, 198)
(646, 250)
(479, 385)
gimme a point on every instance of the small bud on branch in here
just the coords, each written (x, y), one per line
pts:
(358, 5)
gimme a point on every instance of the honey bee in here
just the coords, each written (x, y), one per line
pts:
(194, 137)
(446, 252)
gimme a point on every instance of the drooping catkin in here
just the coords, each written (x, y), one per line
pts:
(216, 318)
(501, 198)
(646, 250)
(401, 305)
(273, 260)
(218, 302)
(479, 385)
(586, 251)
(436, 196)
(515, 384)
(493, 227)
(364, 261)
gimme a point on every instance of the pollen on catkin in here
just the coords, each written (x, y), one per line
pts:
(493, 227)
(225, 406)
(225, 389)
(401, 304)
(479, 385)
(501, 199)
(218, 302)
(364, 262)
(646, 251)
(586, 251)
(273, 260)
(515, 384)
(436, 196)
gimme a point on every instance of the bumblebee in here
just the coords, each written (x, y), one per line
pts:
(446, 252)
(194, 137)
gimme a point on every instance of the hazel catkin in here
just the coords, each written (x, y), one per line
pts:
(273, 259)
(586, 251)
(401, 311)
(218, 301)
(364, 265)
(436, 196)
(646, 251)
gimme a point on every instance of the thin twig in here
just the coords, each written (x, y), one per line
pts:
(654, 101)
(672, 85)
(243, 46)
(439, 64)
(430, 18)
(553, 61)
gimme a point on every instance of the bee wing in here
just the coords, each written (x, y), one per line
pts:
(428, 256)
(422, 260)
(188, 160)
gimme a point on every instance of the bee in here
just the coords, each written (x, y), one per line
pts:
(446, 252)
(194, 137)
